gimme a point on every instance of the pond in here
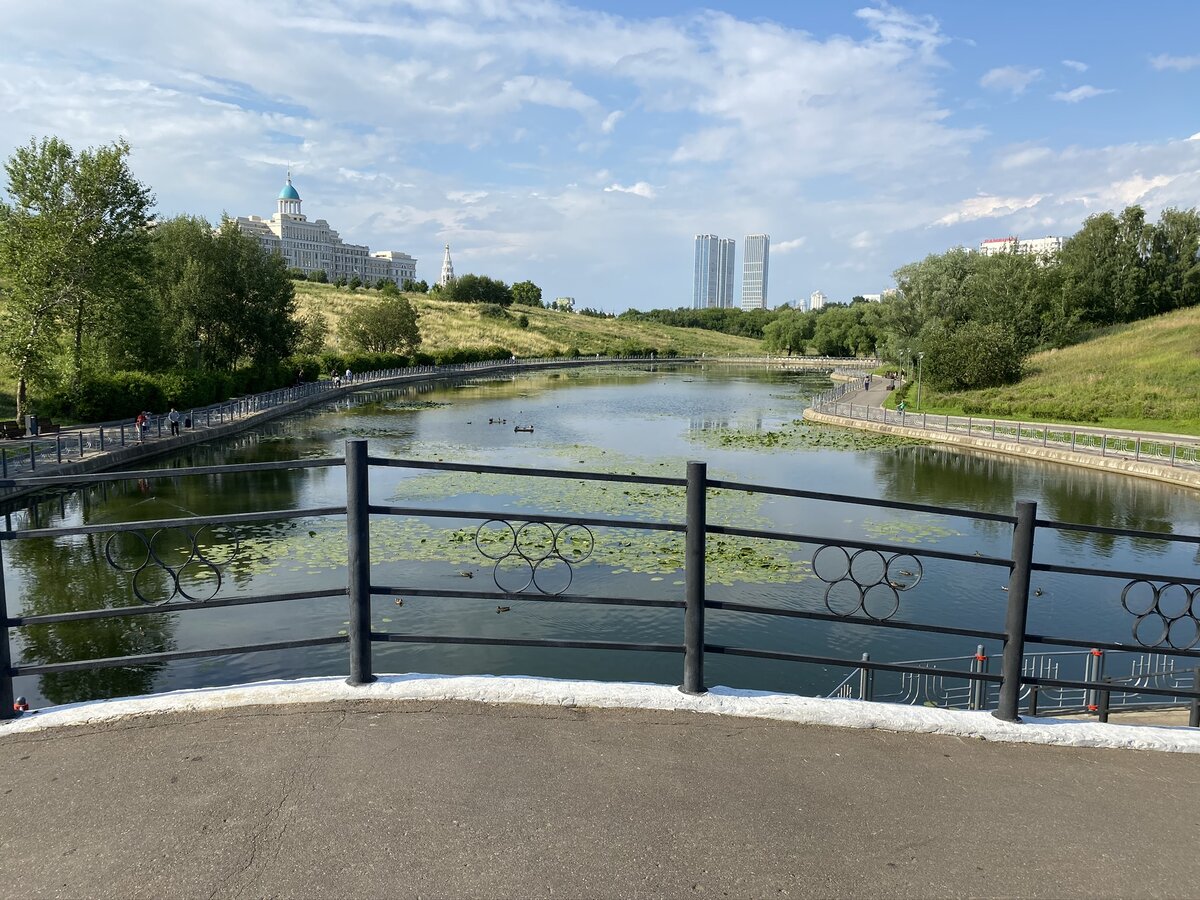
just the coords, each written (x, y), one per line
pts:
(650, 420)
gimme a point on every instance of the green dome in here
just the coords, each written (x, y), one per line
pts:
(288, 192)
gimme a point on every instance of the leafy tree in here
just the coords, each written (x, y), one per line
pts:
(224, 291)
(387, 325)
(387, 287)
(297, 274)
(319, 276)
(313, 329)
(477, 289)
(789, 333)
(72, 248)
(522, 321)
(973, 355)
(355, 283)
(526, 293)
(415, 287)
(1172, 265)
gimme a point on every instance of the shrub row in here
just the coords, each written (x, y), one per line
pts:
(122, 395)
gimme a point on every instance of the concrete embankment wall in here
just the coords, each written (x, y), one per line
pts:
(1169, 474)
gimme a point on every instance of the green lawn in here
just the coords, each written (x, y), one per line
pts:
(1143, 376)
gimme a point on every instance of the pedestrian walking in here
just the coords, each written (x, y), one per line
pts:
(140, 424)
(349, 376)
(173, 418)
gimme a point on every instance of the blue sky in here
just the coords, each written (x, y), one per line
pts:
(583, 145)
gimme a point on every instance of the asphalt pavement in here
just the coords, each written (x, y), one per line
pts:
(453, 799)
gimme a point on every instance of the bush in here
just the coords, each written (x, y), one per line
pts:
(522, 321)
(492, 311)
(319, 276)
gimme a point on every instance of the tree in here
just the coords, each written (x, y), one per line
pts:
(387, 325)
(313, 329)
(319, 276)
(526, 293)
(72, 249)
(477, 289)
(355, 283)
(224, 291)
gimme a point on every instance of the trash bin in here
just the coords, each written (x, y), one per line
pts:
(31, 426)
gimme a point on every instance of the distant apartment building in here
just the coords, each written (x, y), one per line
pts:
(314, 246)
(755, 263)
(712, 276)
(817, 300)
(564, 304)
(1041, 247)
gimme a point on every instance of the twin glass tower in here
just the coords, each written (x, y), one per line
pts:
(712, 278)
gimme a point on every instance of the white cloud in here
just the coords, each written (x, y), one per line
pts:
(611, 120)
(641, 189)
(788, 246)
(862, 241)
(466, 196)
(1083, 92)
(1075, 64)
(1025, 156)
(1131, 190)
(1164, 61)
(986, 207)
(1014, 79)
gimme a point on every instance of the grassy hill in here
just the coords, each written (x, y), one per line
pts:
(1145, 375)
(451, 325)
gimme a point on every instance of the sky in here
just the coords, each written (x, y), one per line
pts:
(583, 145)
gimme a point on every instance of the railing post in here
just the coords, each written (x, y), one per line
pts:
(6, 682)
(1193, 716)
(1018, 609)
(1102, 710)
(866, 680)
(693, 566)
(358, 561)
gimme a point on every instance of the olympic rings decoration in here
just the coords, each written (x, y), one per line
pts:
(533, 554)
(1165, 614)
(865, 581)
(198, 577)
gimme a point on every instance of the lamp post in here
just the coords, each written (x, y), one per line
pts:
(920, 356)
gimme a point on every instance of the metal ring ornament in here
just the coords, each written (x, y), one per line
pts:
(873, 576)
(526, 548)
(1171, 612)
(155, 558)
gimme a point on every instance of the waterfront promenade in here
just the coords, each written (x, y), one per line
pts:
(453, 799)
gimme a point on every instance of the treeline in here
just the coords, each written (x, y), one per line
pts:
(976, 318)
(105, 311)
(749, 323)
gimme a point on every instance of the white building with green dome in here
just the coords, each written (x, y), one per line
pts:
(314, 246)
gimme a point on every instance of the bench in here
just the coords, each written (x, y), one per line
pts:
(45, 426)
(12, 429)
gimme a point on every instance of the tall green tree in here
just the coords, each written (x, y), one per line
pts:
(388, 325)
(477, 289)
(72, 253)
(222, 298)
(526, 293)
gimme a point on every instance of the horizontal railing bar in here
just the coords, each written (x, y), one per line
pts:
(228, 519)
(169, 655)
(521, 470)
(1119, 532)
(84, 615)
(393, 591)
(860, 501)
(1112, 573)
(1111, 687)
(851, 663)
(1107, 645)
(860, 545)
(505, 515)
(833, 617)
(390, 637)
(86, 478)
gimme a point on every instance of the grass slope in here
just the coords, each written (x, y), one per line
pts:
(1145, 376)
(452, 325)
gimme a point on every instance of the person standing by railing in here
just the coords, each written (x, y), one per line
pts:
(173, 418)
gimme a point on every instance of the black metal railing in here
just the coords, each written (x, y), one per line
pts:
(865, 581)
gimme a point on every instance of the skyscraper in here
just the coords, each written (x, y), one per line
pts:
(754, 271)
(712, 277)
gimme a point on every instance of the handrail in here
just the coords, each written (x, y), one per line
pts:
(876, 572)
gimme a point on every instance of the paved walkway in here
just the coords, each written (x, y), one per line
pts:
(451, 799)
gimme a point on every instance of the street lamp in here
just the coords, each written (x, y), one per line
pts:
(920, 356)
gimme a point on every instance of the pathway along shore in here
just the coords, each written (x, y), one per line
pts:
(878, 393)
(114, 456)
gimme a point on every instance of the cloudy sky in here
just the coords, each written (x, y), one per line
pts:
(583, 145)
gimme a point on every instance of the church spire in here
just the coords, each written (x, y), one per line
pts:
(447, 269)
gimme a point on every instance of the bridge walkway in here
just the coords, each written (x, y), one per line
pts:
(454, 799)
